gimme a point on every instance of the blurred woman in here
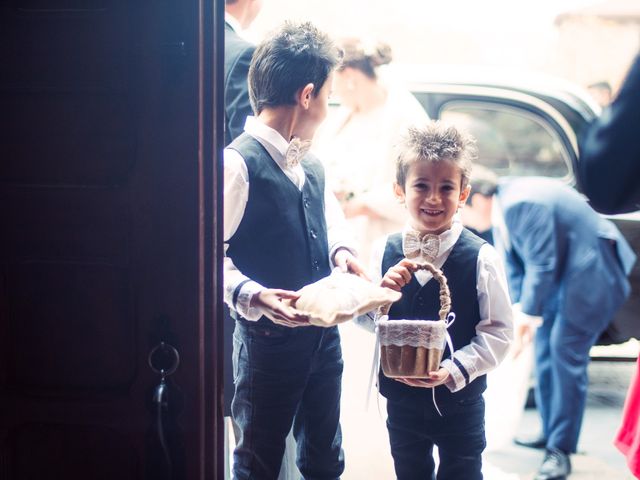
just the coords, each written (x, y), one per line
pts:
(356, 141)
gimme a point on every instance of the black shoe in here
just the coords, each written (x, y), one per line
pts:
(555, 466)
(538, 442)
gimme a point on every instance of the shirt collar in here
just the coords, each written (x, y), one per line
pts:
(270, 139)
(233, 23)
(448, 238)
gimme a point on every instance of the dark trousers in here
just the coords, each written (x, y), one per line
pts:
(415, 427)
(284, 377)
(562, 359)
(571, 327)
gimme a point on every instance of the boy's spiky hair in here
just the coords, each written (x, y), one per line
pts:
(435, 142)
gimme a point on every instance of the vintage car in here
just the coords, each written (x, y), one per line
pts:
(525, 124)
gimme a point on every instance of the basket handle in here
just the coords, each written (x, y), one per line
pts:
(445, 294)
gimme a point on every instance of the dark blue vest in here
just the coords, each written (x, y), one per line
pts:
(423, 302)
(281, 241)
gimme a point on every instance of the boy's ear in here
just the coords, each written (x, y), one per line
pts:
(464, 195)
(399, 192)
(304, 95)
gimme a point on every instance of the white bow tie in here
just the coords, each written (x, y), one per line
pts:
(416, 244)
(296, 151)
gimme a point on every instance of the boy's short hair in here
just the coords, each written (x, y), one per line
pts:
(291, 57)
(483, 181)
(435, 142)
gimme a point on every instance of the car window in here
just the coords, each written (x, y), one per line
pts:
(510, 140)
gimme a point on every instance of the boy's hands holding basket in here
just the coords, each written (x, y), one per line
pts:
(435, 379)
(399, 275)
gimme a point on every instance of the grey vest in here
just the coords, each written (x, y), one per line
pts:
(281, 241)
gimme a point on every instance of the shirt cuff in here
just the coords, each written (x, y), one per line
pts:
(243, 301)
(456, 380)
(338, 246)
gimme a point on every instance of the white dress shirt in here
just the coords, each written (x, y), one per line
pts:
(494, 332)
(236, 194)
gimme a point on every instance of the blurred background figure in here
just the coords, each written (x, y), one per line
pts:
(356, 141)
(239, 14)
(567, 269)
(601, 93)
(608, 173)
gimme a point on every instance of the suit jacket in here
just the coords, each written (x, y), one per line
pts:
(609, 165)
(237, 58)
(561, 256)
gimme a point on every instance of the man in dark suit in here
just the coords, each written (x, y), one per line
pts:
(567, 269)
(609, 165)
(237, 56)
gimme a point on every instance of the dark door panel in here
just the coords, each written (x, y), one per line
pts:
(107, 248)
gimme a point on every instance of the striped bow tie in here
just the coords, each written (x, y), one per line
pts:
(296, 151)
(416, 244)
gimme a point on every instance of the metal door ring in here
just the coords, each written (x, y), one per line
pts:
(164, 359)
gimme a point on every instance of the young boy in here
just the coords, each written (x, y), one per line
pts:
(432, 180)
(283, 229)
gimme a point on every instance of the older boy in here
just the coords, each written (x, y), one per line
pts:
(283, 230)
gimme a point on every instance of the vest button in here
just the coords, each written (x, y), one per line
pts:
(305, 201)
(316, 265)
(313, 233)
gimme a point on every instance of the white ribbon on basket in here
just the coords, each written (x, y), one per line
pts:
(375, 366)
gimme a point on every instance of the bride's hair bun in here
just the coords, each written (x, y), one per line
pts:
(364, 55)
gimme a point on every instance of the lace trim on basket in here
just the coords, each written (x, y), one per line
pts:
(414, 333)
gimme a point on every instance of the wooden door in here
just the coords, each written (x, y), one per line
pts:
(108, 239)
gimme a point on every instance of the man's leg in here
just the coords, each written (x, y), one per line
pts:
(543, 372)
(570, 348)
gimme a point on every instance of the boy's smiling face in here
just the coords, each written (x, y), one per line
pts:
(432, 193)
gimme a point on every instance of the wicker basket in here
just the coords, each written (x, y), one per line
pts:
(413, 348)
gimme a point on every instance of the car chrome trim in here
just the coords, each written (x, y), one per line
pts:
(502, 93)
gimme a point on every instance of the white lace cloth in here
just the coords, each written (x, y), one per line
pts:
(415, 333)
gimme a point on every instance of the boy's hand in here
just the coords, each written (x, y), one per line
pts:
(399, 275)
(346, 262)
(435, 379)
(270, 302)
